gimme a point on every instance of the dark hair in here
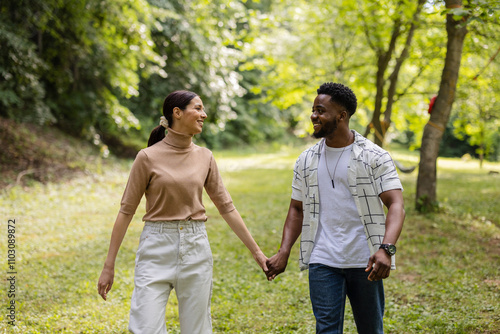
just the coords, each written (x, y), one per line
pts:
(341, 95)
(179, 99)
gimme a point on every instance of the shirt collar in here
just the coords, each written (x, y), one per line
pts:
(178, 139)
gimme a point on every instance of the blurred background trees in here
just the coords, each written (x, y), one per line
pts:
(101, 69)
(459, 16)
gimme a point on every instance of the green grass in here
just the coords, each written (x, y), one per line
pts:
(447, 281)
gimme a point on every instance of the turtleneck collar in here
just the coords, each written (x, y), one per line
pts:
(178, 139)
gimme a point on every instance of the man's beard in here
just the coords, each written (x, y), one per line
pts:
(327, 130)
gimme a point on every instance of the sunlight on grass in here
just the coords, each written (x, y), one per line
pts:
(283, 159)
(467, 165)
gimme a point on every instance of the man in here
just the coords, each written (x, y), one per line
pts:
(339, 190)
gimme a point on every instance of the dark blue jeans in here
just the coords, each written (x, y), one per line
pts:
(328, 288)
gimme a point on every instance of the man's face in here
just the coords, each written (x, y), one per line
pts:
(324, 117)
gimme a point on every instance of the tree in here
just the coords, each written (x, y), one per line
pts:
(71, 63)
(405, 20)
(456, 28)
(97, 67)
(22, 92)
(199, 42)
(312, 42)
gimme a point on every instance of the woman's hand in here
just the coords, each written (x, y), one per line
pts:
(261, 260)
(108, 272)
(105, 281)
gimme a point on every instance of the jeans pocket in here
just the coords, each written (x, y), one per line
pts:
(208, 250)
(145, 236)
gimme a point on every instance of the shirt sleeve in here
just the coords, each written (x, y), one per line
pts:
(385, 174)
(137, 184)
(297, 182)
(216, 190)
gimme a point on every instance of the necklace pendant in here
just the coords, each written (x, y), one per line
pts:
(333, 185)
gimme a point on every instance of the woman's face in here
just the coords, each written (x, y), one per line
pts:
(191, 119)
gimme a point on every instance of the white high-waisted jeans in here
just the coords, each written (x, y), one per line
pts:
(172, 255)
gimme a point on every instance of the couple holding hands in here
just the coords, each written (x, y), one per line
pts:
(339, 189)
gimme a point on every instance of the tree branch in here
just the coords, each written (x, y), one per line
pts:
(367, 30)
(393, 78)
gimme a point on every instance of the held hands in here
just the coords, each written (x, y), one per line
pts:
(105, 282)
(276, 265)
(380, 266)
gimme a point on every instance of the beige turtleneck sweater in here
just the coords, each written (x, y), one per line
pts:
(172, 173)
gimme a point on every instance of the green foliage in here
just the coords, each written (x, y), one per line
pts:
(198, 44)
(101, 69)
(341, 42)
(76, 60)
(99, 62)
(477, 115)
(21, 68)
(451, 146)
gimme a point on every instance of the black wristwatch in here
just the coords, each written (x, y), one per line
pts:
(389, 248)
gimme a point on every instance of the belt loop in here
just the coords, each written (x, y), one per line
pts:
(161, 228)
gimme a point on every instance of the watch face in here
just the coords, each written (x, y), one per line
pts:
(391, 249)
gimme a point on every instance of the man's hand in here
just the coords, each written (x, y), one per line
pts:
(380, 266)
(291, 231)
(276, 265)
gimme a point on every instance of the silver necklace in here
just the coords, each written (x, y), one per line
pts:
(335, 170)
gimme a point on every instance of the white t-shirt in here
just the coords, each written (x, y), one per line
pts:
(341, 240)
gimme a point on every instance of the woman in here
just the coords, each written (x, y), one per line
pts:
(174, 252)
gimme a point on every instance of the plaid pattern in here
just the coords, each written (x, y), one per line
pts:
(371, 171)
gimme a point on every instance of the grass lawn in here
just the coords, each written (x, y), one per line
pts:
(447, 281)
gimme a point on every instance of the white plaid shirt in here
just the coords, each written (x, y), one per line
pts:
(370, 172)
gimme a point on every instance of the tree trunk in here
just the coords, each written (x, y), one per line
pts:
(426, 199)
(382, 63)
(379, 126)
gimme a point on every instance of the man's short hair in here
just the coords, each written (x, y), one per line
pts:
(341, 95)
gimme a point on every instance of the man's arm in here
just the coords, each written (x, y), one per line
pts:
(380, 262)
(291, 231)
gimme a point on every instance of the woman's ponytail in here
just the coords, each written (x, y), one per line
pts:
(156, 135)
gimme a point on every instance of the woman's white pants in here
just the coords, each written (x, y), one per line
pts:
(172, 255)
